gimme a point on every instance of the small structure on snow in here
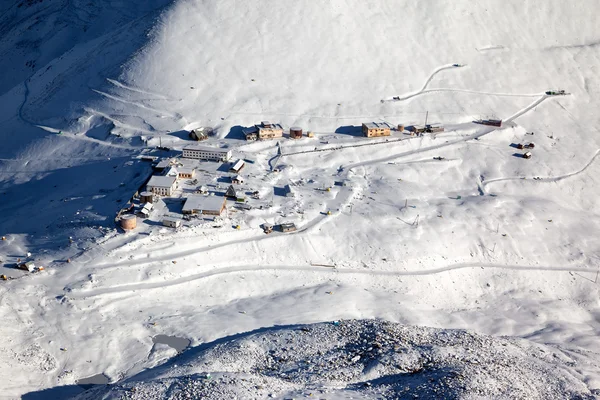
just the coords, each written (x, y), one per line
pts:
(171, 222)
(237, 180)
(295, 132)
(237, 166)
(200, 134)
(527, 155)
(522, 146)
(288, 227)
(231, 193)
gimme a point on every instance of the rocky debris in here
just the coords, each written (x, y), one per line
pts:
(367, 359)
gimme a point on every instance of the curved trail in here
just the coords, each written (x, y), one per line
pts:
(547, 179)
(325, 270)
(424, 89)
(450, 143)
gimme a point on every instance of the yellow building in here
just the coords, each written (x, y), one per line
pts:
(376, 129)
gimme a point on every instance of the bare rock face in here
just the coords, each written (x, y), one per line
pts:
(360, 359)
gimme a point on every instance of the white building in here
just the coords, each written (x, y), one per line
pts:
(237, 166)
(206, 153)
(161, 185)
(171, 222)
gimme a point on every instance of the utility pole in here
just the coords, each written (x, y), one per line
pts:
(426, 118)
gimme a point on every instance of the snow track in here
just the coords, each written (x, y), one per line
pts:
(546, 179)
(313, 269)
(424, 89)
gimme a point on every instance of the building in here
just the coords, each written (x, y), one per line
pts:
(237, 166)
(287, 189)
(146, 209)
(295, 132)
(267, 130)
(376, 129)
(251, 133)
(206, 153)
(205, 205)
(186, 172)
(288, 227)
(237, 180)
(162, 185)
(171, 222)
(200, 133)
(231, 193)
(162, 164)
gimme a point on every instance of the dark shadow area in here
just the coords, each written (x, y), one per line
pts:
(518, 155)
(224, 167)
(100, 132)
(183, 135)
(236, 133)
(279, 191)
(55, 393)
(351, 130)
(174, 205)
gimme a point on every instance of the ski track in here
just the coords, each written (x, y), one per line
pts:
(424, 89)
(326, 270)
(547, 179)
(134, 89)
(117, 122)
(134, 103)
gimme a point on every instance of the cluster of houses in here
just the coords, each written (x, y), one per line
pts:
(267, 130)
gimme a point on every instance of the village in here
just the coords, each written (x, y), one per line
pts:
(203, 184)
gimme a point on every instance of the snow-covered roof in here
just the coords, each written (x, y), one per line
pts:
(377, 125)
(238, 165)
(206, 149)
(161, 181)
(203, 203)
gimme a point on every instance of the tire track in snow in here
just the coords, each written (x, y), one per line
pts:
(557, 178)
(424, 89)
(324, 270)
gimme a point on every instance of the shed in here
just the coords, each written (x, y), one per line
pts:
(27, 266)
(237, 180)
(171, 222)
(231, 193)
(287, 189)
(288, 227)
(237, 166)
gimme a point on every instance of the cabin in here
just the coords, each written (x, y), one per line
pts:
(237, 166)
(237, 180)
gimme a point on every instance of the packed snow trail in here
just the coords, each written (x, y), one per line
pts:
(449, 143)
(424, 89)
(546, 179)
(80, 294)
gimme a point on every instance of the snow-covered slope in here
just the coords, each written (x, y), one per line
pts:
(476, 239)
(359, 360)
